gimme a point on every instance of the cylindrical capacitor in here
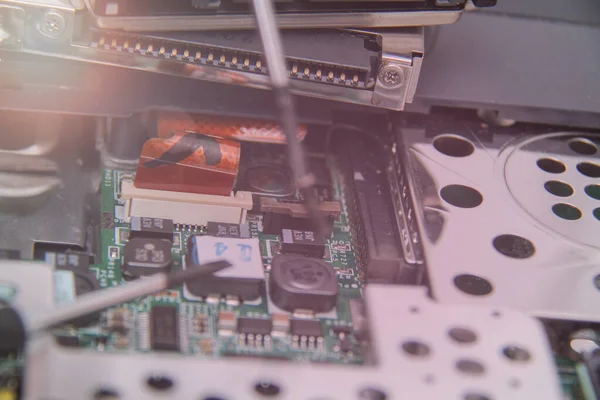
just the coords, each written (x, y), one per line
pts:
(189, 162)
(246, 129)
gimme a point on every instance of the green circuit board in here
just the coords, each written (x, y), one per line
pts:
(192, 312)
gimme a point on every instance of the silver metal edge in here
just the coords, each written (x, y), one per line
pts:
(288, 21)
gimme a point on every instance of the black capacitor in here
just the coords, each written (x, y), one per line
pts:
(145, 227)
(298, 282)
(144, 256)
(307, 243)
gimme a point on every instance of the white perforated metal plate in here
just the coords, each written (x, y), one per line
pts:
(522, 229)
(416, 358)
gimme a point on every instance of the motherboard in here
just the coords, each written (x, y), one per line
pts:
(217, 324)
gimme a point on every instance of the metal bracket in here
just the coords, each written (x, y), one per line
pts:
(423, 350)
(400, 68)
(508, 221)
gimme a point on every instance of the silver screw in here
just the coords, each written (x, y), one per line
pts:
(391, 75)
(53, 24)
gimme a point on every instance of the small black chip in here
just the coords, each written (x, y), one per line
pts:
(151, 228)
(255, 326)
(222, 229)
(307, 243)
(147, 256)
(164, 328)
(305, 327)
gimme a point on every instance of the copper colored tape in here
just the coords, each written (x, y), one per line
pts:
(247, 129)
(189, 162)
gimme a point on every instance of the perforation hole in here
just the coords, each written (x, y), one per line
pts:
(514, 246)
(372, 394)
(453, 146)
(461, 196)
(473, 285)
(267, 388)
(462, 335)
(583, 146)
(106, 394)
(516, 353)
(567, 211)
(589, 169)
(558, 188)
(593, 191)
(160, 382)
(416, 348)
(551, 166)
(470, 367)
(476, 396)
